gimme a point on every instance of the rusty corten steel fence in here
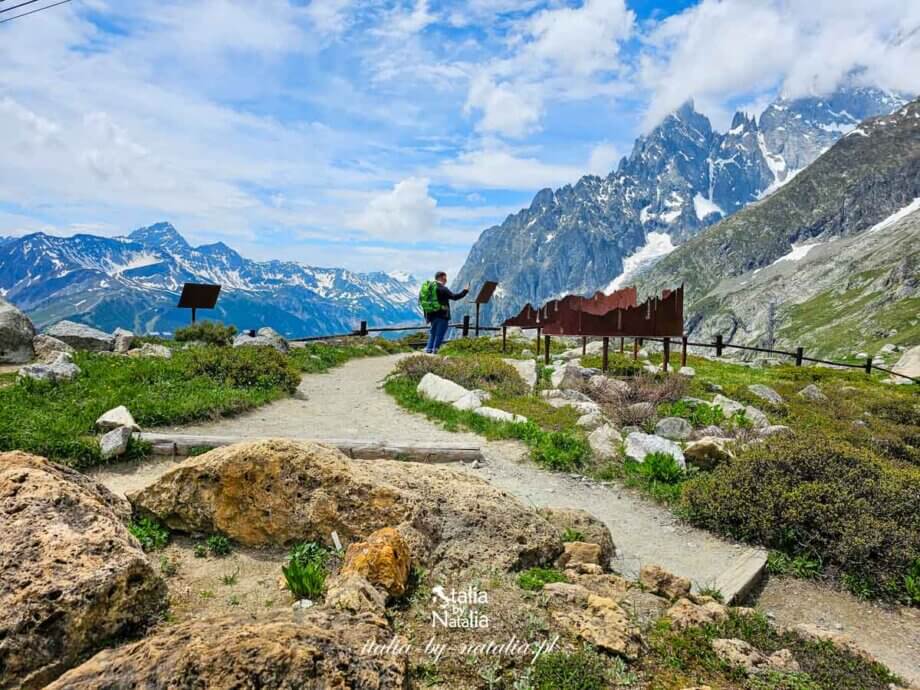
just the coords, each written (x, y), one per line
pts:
(613, 315)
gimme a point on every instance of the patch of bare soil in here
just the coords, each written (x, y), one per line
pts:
(890, 634)
(246, 581)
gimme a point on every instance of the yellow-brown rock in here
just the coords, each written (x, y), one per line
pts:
(73, 577)
(579, 552)
(685, 614)
(383, 560)
(592, 530)
(324, 649)
(602, 623)
(659, 581)
(282, 491)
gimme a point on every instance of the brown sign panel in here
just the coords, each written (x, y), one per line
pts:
(198, 296)
(485, 294)
(526, 319)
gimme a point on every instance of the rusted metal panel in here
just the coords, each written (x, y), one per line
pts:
(616, 314)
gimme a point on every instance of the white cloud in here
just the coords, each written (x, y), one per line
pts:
(500, 169)
(510, 109)
(407, 212)
(603, 159)
(719, 49)
(329, 16)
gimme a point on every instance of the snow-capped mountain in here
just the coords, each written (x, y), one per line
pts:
(680, 178)
(134, 281)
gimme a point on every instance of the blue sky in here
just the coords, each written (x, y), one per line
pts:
(382, 134)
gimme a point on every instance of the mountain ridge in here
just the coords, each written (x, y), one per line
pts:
(133, 281)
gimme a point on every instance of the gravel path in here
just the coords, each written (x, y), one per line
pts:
(890, 634)
(345, 403)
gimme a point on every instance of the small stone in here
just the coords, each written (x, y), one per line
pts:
(766, 393)
(685, 614)
(124, 339)
(500, 415)
(707, 452)
(579, 552)
(659, 581)
(114, 443)
(303, 604)
(115, 418)
(674, 428)
(151, 350)
(774, 429)
(727, 405)
(605, 442)
(689, 372)
(757, 418)
(813, 393)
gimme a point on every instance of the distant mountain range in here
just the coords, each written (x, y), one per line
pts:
(134, 282)
(680, 178)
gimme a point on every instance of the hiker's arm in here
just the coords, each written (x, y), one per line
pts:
(458, 295)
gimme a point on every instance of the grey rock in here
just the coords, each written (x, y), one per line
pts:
(151, 350)
(16, 334)
(278, 341)
(605, 442)
(499, 415)
(568, 375)
(639, 445)
(774, 430)
(689, 372)
(246, 340)
(82, 337)
(757, 417)
(813, 393)
(115, 418)
(61, 369)
(115, 443)
(47, 348)
(727, 405)
(439, 389)
(766, 393)
(564, 394)
(674, 428)
(591, 421)
(526, 369)
(124, 340)
(471, 400)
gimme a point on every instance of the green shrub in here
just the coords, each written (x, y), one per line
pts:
(662, 468)
(150, 533)
(305, 580)
(699, 415)
(209, 332)
(201, 551)
(912, 583)
(581, 670)
(245, 367)
(218, 545)
(571, 534)
(563, 451)
(802, 566)
(309, 552)
(534, 578)
(483, 371)
(828, 500)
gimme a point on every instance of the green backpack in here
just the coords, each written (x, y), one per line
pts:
(428, 297)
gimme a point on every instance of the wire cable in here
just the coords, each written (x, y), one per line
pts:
(35, 11)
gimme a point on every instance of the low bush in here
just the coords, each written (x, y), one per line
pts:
(533, 579)
(305, 572)
(699, 415)
(514, 347)
(150, 533)
(218, 545)
(571, 534)
(828, 500)
(617, 364)
(209, 332)
(321, 356)
(802, 566)
(483, 371)
(659, 475)
(245, 367)
(581, 670)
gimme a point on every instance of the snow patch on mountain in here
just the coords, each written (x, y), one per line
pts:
(896, 216)
(704, 207)
(657, 245)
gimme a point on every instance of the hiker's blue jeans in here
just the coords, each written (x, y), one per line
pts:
(437, 334)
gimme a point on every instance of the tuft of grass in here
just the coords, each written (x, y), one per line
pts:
(305, 580)
(218, 545)
(801, 566)
(309, 552)
(699, 415)
(230, 579)
(584, 669)
(659, 475)
(533, 579)
(571, 534)
(208, 332)
(150, 533)
(200, 551)
(480, 371)
(318, 357)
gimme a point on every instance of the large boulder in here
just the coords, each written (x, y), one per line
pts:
(151, 350)
(439, 389)
(600, 621)
(766, 393)
(568, 375)
(47, 348)
(471, 400)
(116, 417)
(907, 365)
(124, 340)
(322, 650)
(82, 337)
(73, 576)
(813, 393)
(282, 491)
(264, 337)
(708, 452)
(16, 334)
(605, 442)
(639, 445)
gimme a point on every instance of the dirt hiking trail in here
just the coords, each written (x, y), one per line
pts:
(348, 402)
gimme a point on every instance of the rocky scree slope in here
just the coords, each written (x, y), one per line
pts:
(680, 178)
(834, 229)
(135, 281)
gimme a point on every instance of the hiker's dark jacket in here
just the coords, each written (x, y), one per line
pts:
(444, 298)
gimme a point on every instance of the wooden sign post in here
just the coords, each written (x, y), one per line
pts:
(197, 296)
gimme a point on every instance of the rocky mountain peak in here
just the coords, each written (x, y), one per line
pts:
(160, 235)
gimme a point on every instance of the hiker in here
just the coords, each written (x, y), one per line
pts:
(435, 299)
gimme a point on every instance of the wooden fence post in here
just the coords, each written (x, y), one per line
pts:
(666, 353)
(719, 345)
(584, 345)
(605, 363)
(477, 319)
(466, 326)
(504, 337)
(546, 350)
(868, 365)
(635, 349)
(799, 355)
(683, 350)
(622, 344)
(363, 329)
(539, 333)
